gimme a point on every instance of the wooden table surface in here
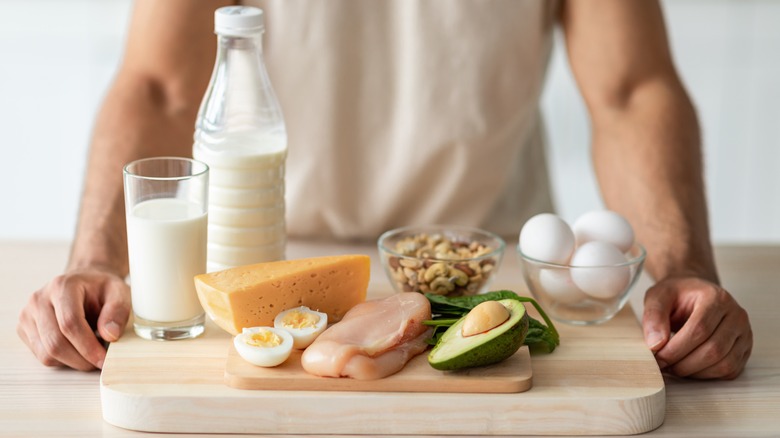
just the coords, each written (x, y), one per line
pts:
(39, 401)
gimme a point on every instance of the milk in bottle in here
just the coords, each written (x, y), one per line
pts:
(240, 133)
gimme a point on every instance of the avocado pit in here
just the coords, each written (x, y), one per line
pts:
(483, 317)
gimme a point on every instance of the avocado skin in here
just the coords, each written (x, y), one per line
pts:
(492, 351)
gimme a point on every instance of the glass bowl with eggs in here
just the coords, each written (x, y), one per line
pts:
(581, 274)
(445, 260)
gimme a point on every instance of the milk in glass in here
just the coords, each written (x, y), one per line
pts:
(160, 231)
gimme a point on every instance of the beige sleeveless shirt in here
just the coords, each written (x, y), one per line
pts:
(410, 112)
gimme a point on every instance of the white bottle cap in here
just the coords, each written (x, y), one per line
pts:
(238, 21)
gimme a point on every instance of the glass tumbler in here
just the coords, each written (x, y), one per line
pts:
(166, 204)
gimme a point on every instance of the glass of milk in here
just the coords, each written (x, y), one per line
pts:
(166, 204)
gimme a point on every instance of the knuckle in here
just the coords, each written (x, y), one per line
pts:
(24, 318)
(713, 352)
(743, 318)
(82, 367)
(36, 298)
(728, 369)
(731, 366)
(53, 345)
(21, 331)
(122, 292)
(653, 293)
(722, 298)
(698, 332)
(49, 361)
(747, 350)
(69, 325)
(679, 371)
(68, 283)
(59, 282)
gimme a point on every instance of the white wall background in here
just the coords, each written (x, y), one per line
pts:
(58, 57)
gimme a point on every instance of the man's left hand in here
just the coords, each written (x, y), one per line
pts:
(712, 337)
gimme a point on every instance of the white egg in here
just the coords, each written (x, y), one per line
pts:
(546, 237)
(264, 346)
(594, 271)
(303, 324)
(606, 226)
(558, 284)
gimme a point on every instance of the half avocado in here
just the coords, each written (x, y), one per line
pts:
(455, 351)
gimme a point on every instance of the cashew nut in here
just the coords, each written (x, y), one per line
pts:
(459, 277)
(443, 248)
(410, 263)
(436, 270)
(442, 286)
(411, 274)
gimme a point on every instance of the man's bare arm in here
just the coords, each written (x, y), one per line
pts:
(149, 111)
(647, 156)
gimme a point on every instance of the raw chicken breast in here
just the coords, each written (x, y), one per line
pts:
(374, 339)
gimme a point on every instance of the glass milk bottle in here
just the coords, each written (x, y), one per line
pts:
(240, 134)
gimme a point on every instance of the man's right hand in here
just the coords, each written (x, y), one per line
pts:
(59, 322)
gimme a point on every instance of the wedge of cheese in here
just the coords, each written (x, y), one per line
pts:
(252, 295)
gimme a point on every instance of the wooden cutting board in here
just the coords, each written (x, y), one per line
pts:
(602, 380)
(510, 375)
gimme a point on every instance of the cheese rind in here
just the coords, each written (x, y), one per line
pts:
(252, 295)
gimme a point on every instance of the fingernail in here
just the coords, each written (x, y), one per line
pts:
(113, 330)
(654, 339)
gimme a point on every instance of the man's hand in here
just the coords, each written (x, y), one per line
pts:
(58, 324)
(712, 336)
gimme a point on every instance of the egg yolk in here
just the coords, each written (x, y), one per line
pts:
(300, 320)
(264, 338)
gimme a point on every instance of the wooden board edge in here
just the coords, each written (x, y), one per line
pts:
(509, 387)
(241, 375)
(267, 414)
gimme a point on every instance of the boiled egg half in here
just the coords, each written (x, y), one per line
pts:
(264, 346)
(303, 324)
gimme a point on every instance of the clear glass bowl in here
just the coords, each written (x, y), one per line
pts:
(441, 259)
(556, 290)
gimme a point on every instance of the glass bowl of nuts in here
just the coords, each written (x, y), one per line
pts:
(440, 259)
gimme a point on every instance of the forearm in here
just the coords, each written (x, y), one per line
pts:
(137, 120)
(647, 156)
